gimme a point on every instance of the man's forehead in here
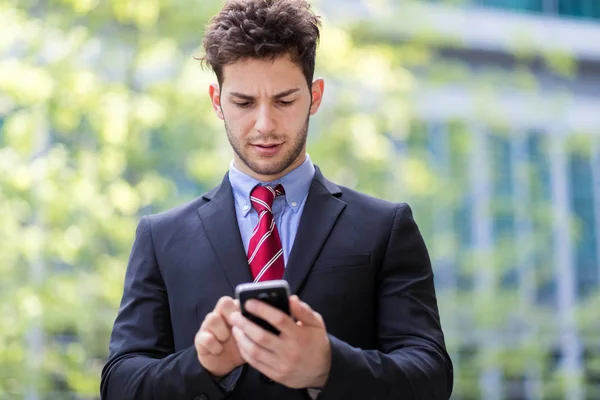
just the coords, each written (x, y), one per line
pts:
(264, 75)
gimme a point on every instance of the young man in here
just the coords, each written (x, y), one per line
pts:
(367, 326)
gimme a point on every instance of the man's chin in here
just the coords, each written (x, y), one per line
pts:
(268, 171)
(267, 168)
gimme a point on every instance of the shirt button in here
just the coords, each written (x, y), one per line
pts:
(246, 208)
(294, 204)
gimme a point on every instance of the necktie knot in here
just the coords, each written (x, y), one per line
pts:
(262, 197)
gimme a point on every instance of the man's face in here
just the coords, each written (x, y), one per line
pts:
(266, 106)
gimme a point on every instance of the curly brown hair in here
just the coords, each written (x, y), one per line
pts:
(262, 29)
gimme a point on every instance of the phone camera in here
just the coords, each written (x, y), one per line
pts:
(262, 296)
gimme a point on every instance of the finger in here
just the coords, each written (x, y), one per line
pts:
(217, 325)
(272, 315)
(304, 314)
(257, 334)
(206, 343)
(226, 305)
(261, 367)
(254, 355)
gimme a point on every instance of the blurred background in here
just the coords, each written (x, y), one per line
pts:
(483, 115)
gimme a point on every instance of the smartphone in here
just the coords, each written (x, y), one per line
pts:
(276, 293)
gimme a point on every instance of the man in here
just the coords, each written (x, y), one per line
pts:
(367, 326)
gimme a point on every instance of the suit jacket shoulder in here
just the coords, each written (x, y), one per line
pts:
(362, 203)
(373, 204)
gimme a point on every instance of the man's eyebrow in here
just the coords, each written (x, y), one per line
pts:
(277, 96)
(286, 93)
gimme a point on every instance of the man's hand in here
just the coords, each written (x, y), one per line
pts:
(216, 348)
(300, 357)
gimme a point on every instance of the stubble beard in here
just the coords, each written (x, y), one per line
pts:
(275, 167)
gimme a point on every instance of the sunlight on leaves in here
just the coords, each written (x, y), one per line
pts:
(417, 177)
(84, 6)
(334, 49)
(115, 117)
(149, 112)
(25, 83)
(368, 143)
(123, 197)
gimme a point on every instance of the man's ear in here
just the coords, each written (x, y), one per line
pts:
(317, 89)
(215, 97)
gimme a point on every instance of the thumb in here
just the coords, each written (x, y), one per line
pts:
(227, 306)
(303, 313)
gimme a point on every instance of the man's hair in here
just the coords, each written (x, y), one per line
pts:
(262, 29)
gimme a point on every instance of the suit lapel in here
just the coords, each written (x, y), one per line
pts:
(220, 224)
(320, 214)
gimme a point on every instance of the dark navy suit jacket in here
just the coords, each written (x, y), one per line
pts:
(358, 261)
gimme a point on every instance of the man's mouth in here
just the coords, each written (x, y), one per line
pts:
(267, 149)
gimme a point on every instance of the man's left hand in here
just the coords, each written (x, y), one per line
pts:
(300, 357)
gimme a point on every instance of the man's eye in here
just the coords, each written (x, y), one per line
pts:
(242, 105)
(286, 103)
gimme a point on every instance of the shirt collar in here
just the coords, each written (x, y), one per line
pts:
(296, 184)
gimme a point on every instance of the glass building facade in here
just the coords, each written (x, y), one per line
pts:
(522, 232)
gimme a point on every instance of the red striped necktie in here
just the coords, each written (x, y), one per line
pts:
(265, 254)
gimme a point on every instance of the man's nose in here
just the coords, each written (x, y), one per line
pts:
(265, 121)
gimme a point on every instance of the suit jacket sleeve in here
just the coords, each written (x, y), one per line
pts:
(142, 363)
(413, 362)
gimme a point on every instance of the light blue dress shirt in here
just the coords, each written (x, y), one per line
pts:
(287, 209)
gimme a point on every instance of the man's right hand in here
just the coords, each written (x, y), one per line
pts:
(216, 348)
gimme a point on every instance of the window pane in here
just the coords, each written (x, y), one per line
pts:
(583, 212)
